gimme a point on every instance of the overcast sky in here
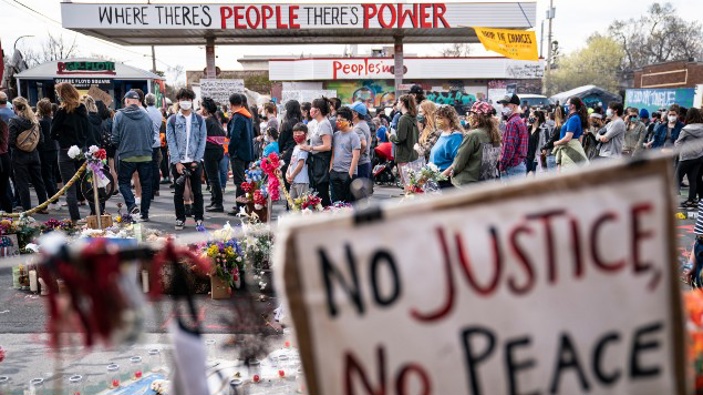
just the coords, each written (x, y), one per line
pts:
(574, 22)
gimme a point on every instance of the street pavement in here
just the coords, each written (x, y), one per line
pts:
(23, 315)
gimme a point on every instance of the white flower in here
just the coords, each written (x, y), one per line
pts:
(258, 207)
(433, 167)
(239, 259)
(74, 152)
(93, 149)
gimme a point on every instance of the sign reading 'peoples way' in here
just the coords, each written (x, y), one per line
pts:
(556, 286)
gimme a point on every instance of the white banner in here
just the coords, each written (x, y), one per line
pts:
(220, 90)
(556, 286)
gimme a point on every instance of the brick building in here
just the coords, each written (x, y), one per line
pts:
(677, 74)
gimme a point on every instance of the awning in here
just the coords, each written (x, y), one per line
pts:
(299, 23)
(86, 69)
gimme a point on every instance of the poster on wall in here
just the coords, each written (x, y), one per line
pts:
(654, 99)
(376, 93)
(575, 293)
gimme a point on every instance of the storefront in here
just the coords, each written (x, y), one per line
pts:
(105, 80)
(453, 81)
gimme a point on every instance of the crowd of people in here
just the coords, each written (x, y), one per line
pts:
(324, 146)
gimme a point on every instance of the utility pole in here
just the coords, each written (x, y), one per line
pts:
(541, 40)
(550, 16)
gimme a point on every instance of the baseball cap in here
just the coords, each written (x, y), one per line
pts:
(416, 89)
(481, 107)
(359, 107)
(132, 95)
(508, 99)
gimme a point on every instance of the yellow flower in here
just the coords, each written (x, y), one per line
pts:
(680, 215)
(118, 219)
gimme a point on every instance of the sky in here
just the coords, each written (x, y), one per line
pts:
(575, 20)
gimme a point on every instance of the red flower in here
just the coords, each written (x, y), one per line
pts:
(247, 187)
(100, 154)
(259, 198)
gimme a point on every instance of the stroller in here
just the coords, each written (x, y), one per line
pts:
(384, 167)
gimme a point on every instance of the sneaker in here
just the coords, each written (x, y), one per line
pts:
(165, 181)
(144, 219)
(215, 209)
(138, 200)
(81, 221)
(54, 206)
(199, 224)
(134, 210)
(180, 224)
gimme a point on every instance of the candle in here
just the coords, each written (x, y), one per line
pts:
(257, 378)
(138, 374)
(281, 373)
(115, 383)
(33, 286)
(42, 287)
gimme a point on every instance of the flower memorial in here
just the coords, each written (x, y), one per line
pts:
(257, 243)
(227, 260)
(423, 179)
(271, 165)
(94, 157)
(255, 189)
(308, 202)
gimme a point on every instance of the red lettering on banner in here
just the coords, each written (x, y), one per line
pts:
(266, 14)
(403, 14)
(225, 13)
(424, 16)
(597, 258)
(238, 16)
(439, 10)
(382, 13)
(279, 19)
(370, 11)
(254, 25)
(293, 17)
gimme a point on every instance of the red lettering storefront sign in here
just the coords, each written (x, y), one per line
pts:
(369, 67)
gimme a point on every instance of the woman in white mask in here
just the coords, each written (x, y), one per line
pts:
(668, 131)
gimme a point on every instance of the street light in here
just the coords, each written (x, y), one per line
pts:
(14, 47)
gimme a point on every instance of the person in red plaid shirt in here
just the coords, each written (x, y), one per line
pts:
(515, 139)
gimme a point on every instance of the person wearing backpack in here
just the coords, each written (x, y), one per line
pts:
(25, 135)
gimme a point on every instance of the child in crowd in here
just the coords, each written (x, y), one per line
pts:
(346, 150)
(272, 146)
(297, 174)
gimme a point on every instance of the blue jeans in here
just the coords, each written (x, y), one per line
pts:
(551, 163)
(224, 170)
(124, 176)
(519, 171)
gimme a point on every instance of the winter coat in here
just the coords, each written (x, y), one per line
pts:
(690, 142)
(405, 138)
(660, 134)
(72, 128)
(132, 132)
(17, 126)
(47, 144)
(241, 136)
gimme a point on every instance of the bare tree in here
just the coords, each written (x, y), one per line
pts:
(53, 48)
(457, 50)
(657, 36)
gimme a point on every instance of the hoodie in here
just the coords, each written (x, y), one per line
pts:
(241, 135)
(72, 128)
(690, 142)
(96, 122)
(133, 133)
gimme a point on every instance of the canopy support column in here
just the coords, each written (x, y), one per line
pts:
(398, 64)
(210, 58)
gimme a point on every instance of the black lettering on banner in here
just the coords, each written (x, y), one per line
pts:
(105, 15)
(159, 9)
(307, 12)
(329, 270)
(186, 16)
(355, 16)
(474, 358)
(513, 367)
(607, 379)
(567, 359)
(335, 16)
(379, 258)
(206, 13)
(639, 345)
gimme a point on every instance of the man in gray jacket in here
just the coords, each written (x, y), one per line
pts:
(133, 135)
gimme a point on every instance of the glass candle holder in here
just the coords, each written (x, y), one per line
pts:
(255, 371)
(301, 385)
(283, 366)
(75, 385)
(36, 386)
(4, 385)
(235, 387)
(136, 367)
(154, 360)
(211, 349)
(113, 376)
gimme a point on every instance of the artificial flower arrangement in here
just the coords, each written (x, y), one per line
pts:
(65, 226)
(257, 243)
(424, 179)
(308, 202)
(227, 259)
(255, 188)
(95, 158)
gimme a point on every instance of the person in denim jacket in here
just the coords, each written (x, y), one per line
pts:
(186, 135)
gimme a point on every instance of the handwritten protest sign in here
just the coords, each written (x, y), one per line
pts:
(220, 90)
(514, 44)
(100, 95)
(552, 286)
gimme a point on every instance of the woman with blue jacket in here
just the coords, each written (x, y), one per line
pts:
(666, 133)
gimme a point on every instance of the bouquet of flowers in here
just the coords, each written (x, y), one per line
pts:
(8, 227)
(308, 202)
(54, 224)
(227, 259)
(257, 244)
(254, 187)
(423, 179)
(95, 157)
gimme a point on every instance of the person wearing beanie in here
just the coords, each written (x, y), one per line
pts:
(644, 116)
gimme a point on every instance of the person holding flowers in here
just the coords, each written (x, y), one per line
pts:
(444, 150)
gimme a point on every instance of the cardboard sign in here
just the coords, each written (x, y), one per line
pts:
(220, 90)
(100, 95)
(514, 44)
(556, 285)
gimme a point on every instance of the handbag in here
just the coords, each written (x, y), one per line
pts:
(319, 167)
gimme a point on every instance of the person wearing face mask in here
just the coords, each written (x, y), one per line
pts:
(569, 151)
(430, 133)
(361, 128)
(133, 135)
(241, 143)
(186, 135)
(320, 149)
(667, 132)
(444, 151)
(613, 137)
(634, 134)
(406, 135)
(515, 140)
(214, 152)
(345, 157)
(297, 173)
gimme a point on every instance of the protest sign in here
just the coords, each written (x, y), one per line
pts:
(220, 90)
(560, 285)
(514, 44)
(100, 95)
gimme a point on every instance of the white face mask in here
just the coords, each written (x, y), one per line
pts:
(185, 105)
(672, 118)
(507, 111)
(608, 113)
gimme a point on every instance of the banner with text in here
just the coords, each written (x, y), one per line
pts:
(654, 99)
(220, 90)
(554, 286)
(514, 44)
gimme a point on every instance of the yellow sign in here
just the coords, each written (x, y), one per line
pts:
(514, 44)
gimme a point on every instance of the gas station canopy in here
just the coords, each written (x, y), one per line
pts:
(295, 23)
